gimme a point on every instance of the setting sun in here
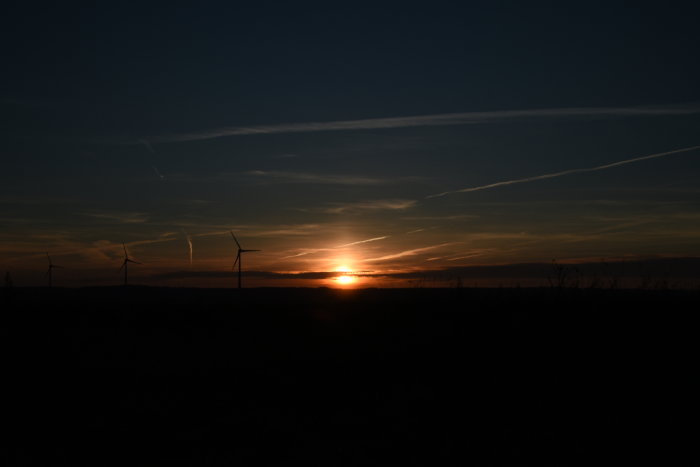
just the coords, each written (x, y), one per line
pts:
(345, 277)
(345, 280)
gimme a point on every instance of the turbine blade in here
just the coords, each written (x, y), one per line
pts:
(131, 261)
(238, 257)
(245, 251)
(123, 265)
(235, 240)
(125, 252)
(49, 258)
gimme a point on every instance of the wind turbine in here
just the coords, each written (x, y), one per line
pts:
(125, 264)
(239, 259)
(51, 266)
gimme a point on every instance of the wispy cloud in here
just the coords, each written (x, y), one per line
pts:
(413, 252)
(472, 255)
(564, 172)
(303, 177)
(120, 217)
(98, 250)
(433, 120)
(307, 251)
(289, 177)
(628, 267)
(441, 218)
(256, 230)
(373, 205)
(359, 242)
(311, 251)
(286, 230)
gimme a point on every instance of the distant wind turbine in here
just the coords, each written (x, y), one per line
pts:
(49, 273)
(239, 258)
(125, 264)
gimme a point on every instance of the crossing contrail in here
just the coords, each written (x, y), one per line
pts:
(564, 172)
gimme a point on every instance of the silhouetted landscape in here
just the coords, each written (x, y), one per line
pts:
(157, 376)
(349, 233)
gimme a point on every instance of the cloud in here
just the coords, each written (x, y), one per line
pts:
(311, 251)
(102, 250)
(564, 172)
(120, 217)
(440, 218)
(286, 230)
(308, 251)
(375, 239)
(374, 205)
(472, 255)
(679, 267)
(405, 253)
(433, 120)
(258, 274)
(302, 177)
(284, 177)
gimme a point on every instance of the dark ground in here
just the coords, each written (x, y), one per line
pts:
(148, 376)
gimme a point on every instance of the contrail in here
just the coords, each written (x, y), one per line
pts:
(160, 175)
(148, 145)
(311, 251)
(564, 172)
(432, 120)
(363, 241)
(410, 252)
(189, 244)
(152, 151)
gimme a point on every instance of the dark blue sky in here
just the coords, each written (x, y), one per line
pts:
(98, 100)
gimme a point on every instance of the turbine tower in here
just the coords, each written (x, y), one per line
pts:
(125, 264)
(51, 266)
(239, 258)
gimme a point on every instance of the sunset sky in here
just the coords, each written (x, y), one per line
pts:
(389, 142)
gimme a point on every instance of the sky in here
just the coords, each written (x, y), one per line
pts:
(394, 143)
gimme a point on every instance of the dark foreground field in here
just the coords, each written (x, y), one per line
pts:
(144, 376)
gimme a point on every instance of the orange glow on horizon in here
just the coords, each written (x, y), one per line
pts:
(345, 278)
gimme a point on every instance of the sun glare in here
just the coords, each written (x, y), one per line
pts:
(345, 277)
(345, 280)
